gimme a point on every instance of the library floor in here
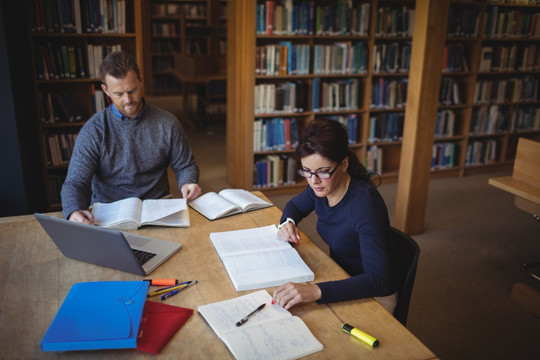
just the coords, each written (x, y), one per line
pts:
(473, 245)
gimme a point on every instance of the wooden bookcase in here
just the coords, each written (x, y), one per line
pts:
(242, 79)
(63, 74)
(186, 28)
(490, 112)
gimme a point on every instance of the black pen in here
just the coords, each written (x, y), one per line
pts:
(246, 318)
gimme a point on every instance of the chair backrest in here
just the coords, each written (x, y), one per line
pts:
(406, 255)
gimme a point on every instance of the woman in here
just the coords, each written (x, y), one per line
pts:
(351, 218)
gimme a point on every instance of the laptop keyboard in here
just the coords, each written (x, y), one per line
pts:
(143, 256)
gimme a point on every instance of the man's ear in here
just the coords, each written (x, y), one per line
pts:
(105, 90)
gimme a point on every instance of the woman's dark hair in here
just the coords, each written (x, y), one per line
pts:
(118, 64)
(329, 138)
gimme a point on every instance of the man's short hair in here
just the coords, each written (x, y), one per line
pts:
(118, 64)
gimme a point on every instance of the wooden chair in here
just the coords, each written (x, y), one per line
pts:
(525, 185)
(406, 256)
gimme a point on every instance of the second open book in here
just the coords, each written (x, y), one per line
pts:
(227, 202)
(255, 258)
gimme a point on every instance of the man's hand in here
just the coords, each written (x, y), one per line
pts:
(82, 216)
(190, 191)
(290, 294)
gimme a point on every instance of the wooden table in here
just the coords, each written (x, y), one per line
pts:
(35, 278)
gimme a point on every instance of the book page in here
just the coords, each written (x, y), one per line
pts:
(159, 209)
(287, 338)
(214, 206)
(244, 199)
(266, 269)
(222, 316)
(272, 333)
(247, 241)
(126, 211)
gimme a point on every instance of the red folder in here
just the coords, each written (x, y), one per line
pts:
(158, 325)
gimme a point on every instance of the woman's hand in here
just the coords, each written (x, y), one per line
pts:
(290, 294)
(289, 232)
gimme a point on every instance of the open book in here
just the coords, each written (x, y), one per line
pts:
(132, 213)
(272, 333)
(227, 202)
(255, 258)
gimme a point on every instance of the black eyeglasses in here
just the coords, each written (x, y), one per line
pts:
(323, 175)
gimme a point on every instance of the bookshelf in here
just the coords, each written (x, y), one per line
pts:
(492, 61)
(68, 40)
(181, 28)
(378, 86)
(334, 75)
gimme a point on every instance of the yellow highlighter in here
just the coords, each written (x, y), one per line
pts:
(368, 339)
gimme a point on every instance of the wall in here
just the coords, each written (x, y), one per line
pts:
(21, 183)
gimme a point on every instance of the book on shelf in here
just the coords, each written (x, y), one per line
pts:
(78, 16)
(442, 155)
(374, 159)
(256, 258)
(132, 213)
(275, 134)
(291, 338)
(444, 124)
(227, 202)
(486, 55)
(274, 170)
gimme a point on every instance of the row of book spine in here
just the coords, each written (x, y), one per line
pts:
(282, 97)
(449, 93)
(395, 21)
(350, 122)
(509, 58)
(391, 58)
(99, 99)
(306, 18)
(454, 58)
(444, 124)
(275, 170)
(165, 83)
(335, 95)
(54, 186)
(389, 94)
(283, 58)
(166, 29)
(463, 22)
(490, 120)
(275, 134)
(443, 155)
(176, 9)
(523, 89)
(374, 159)
(70, 61)
(78, 16)
(386, 127)
(60, 61)
(481, 152)
(504, 22)
(525, 118)
(57, 107)
(59, 148)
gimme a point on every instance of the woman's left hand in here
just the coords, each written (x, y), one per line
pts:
(290, 294)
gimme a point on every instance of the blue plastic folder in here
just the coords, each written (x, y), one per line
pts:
(98, 315)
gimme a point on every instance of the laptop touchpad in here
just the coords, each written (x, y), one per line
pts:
(135, 240)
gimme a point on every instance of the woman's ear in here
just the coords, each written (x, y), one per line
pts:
(345, 164)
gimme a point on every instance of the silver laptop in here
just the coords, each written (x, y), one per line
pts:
(107, 247)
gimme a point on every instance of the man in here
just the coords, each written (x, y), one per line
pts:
(124, 150)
